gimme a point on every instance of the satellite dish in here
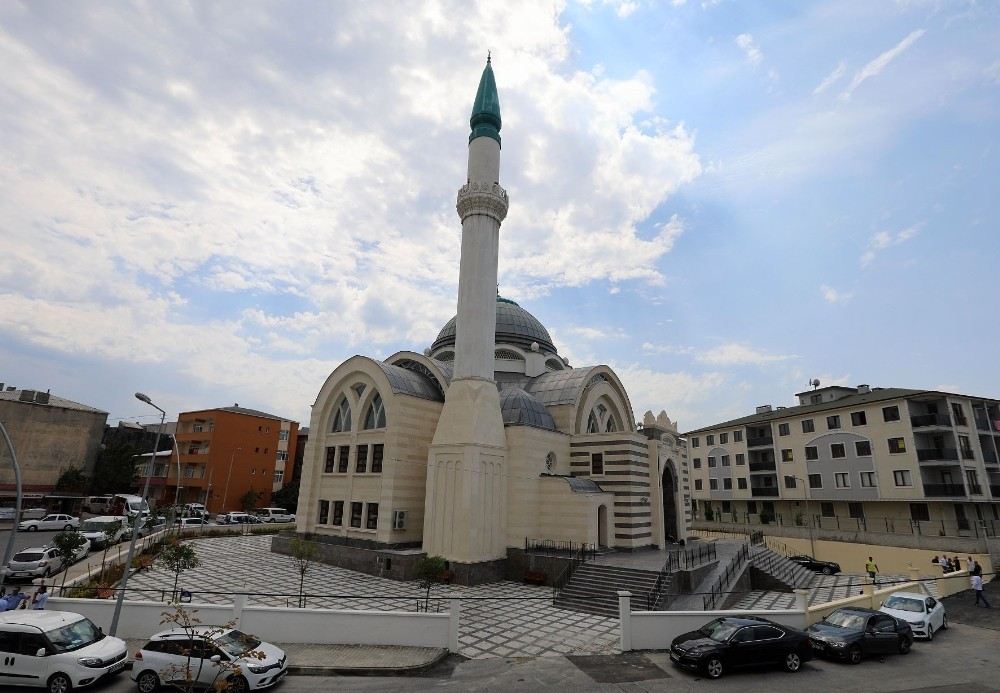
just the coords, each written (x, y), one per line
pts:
(814, 382)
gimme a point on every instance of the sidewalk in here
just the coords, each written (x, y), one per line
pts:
(354, 660)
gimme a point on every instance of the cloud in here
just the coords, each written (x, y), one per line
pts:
(992, 72)
(686, 397)
(736, 354)
(834, 296)
(875, 67)
(837, 73)
(886, 239)
(593, 333)
(753, 52)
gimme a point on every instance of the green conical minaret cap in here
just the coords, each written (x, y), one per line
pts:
(485, 119)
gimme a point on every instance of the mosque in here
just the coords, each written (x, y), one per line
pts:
(488, 441)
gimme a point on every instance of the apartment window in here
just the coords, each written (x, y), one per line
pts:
(741, 484)
(868, 480)
(965, 447)
(837, 450)
(378, 450)
(783, 429)
(361, 465)
(789, 482)
(283, 435)
(697, 463)
(897, 445)
(331, 459)
(345, 453)
(371, 521)
(737, 436)
(694, 442)
(842, 480)
(812, 452)
(890, 414)
(697, 484)
(713, 484)
(856, 510)
(727, 506)
(826, 510)
(338, 513)
(959, 414)
(972, 481)
(710, 439)
(725, 460)
(902, 477)
(741, 458)
(256, 450)
(711, 461)
(859, 418)
(863, 448)
(723, 438)
(833, 422)
(727, 484)
(752, 507)
(786, 455)
(356, 514)
(597, 464)
(324, 512)
(282, 456)
(815, 481)
(279, 475)
(808, 426)
(815, 399)
(919, 512)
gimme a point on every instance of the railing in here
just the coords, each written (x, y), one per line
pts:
(939, 490)
(678, 560)
(576, 559)
(558, 548)
(778, 566)
(760, 441)
(742, 523)
(932, 454)
(921, 420)
(721, 584)
(766, 466)
(764, 491)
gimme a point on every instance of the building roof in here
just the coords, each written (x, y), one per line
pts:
(485, 120)
(515, 326)
(407, 382)
(560, 387)
(518, 408)
(236, 409)
(45, 399)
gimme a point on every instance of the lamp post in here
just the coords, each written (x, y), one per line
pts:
(135, 532)
(812, 538)
(225, 494)
(177, 453)
(9, 550)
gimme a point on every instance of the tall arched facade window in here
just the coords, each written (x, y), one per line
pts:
(342, 417)
(375, 418)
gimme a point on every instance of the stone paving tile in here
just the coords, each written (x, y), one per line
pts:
(825, 588)
(499, 619)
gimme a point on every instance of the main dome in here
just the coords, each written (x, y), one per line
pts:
(515, 326)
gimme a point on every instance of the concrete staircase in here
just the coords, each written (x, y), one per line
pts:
(782, 569)
(593, 589)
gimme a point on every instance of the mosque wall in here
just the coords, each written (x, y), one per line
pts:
(527, 450)
(569, 516)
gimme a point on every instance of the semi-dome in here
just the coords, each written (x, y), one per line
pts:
(515, 326)
(518, 408)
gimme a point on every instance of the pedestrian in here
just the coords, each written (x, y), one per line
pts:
(957, 563)
(872, 567)
(977, 585)
(40, 599)
(970, 565)
(934, 561)
(14, 599)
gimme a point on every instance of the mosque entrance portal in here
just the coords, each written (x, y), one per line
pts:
(669, 502)
(602, 526)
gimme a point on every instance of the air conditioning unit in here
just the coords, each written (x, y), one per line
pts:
(399, 519)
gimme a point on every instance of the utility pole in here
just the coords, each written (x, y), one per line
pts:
(9, 550)
(225, 494)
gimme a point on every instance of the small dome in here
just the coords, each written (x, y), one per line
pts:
(518, 408)
(515, 326)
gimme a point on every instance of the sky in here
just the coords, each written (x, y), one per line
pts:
(219, 202)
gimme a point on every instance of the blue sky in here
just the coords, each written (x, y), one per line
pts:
(218, 203)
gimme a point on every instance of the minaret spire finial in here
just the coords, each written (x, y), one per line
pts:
(488, 55)
(485, 119)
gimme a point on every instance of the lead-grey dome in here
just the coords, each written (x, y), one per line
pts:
(518, 408)
(515, 326)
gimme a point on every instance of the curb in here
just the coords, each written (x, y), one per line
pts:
(368, 671)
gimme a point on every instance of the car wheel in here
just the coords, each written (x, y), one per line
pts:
(827, 570)
(793, 662)
(68, 528)
(930, 632)
(713, 667)
(32, 528)
(59, 683)
(904, 645)
(148, 682)
(237, 684)
(854, 655)
(944, 622)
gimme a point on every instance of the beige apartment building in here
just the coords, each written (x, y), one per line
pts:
(856, 458)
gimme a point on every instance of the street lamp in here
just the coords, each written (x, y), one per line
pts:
(9, 551)
(135, 532)
(177, 453)
(812, 538)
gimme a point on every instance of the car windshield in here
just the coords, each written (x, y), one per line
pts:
(718, 630)
(846, 619)
(905, 604)
(28, 556)
(91, 526)
(235, 643)
(74, 636)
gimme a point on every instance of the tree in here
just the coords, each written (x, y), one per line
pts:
(73, 480)
(430, 570)
(178, 557)
(114, 468)
(287, 497)
(67, 544)
(248, 501)
(110, 536)
(303, 553)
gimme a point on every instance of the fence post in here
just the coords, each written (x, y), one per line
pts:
(239, 601)
(625, 619)
(454, 609)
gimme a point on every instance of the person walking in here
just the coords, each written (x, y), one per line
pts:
(872, 568)
(40, 599)
(971, 565)
(977, 586)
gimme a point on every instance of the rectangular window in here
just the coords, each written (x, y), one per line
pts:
(815, 399)
(737, 436)
(697, 484)
(378, 450)
(741, 484)
(356, 514)
(338, 513)
(710, 439)
(902, 477)
(837, 451)
(863, 448)
(711, 461)
(727, 484)
(752, 507)
(713, 484)
(826, 510)
(727, 506)
(868, 480)
(361, 465)
(741, 458)
(856, 510)
(331, 459)
(597, 464)
(859, 418)
(371, 521)
(786, 455)
(694, 442)
(283, 435)
(815, 481)
(789, 482)
(897, 445)
(723, 438)
(890, 414)
(725, 460)
(345, 452)
(959, 414)
(783, 429)
(324, 512)
(697, 463)
(966, 448)
(919, 512)
(282, 456)
(812, 452)
(279, 475)
(833, 422)
(808, 426)
(842, 480)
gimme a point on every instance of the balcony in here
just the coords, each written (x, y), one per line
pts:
(968, 455)
(995, 490)
(760, 441)
(975, 490)
(989, 456)
(985, 424)
(764, 491)
(937, 455)
(943, 490)
(923, 420)
(762, 466)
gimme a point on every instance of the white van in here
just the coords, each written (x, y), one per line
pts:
(97, 505)
(56, 650)
(127, 504)
(93, 529)
(274, 515)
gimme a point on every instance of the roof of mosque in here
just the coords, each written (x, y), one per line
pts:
(407, 382)
(518, 408)
(515, 326)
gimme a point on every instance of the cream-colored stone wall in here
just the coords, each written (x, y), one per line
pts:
(527, 449)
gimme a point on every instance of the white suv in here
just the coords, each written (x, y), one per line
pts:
(56, 650)
(274, 515)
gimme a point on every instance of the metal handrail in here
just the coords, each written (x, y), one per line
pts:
(735, 565)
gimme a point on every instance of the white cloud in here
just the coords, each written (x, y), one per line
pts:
(886, 239)
(689, 398)
(831, 78)
(593, 333)
(875, 67)
(831, 295)
(736, 354)
(752, 50)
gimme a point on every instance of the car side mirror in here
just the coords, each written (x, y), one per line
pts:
(41, 652)
(216, 658)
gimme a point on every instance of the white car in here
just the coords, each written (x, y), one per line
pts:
(82, 551)
(274, 515)
(925, 614)
(50, 522)
(40, 561)
(93, 528)
(216, 654)
(56, 650)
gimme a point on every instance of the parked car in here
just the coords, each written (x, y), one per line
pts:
(97, 505)
(56, 650)
(274, 515)
(185, 522)
(825, 567)
(127, 504)
(236, 518)
(925, 614)
(50, 522)
(82, 551)
(41, 561)
(852, 633)
(93, 529)
(7, 514)
(150, 524)
(734, 642)
(215, 654)
(195, 510)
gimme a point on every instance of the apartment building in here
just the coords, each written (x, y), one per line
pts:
(224, 453)
(877, 459)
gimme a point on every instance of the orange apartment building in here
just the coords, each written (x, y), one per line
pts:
(224, 453)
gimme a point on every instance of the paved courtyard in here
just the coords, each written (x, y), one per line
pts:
(825, 588)
(505, 619)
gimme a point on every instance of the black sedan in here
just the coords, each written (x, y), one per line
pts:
(729, 643)
(825, 567)
(852, 633)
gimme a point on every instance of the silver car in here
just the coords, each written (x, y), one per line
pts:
(41, 561)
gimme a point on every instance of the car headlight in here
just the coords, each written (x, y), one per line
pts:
(90, 661)
(836, 643)
(260, 669)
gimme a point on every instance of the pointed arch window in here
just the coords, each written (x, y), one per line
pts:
(610, 427)
(375, 418)
(592, 425)
(601, 420)
(342, 417)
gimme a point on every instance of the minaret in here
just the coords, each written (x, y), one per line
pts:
(465, 505)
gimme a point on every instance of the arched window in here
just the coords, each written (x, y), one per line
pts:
(592, 425)
(610, 427)
(342, 418)
(601, 420)
(375, 418)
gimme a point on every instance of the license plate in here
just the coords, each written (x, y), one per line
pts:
(673, 657)
(22, 574)
(116, 667)
(817, 646)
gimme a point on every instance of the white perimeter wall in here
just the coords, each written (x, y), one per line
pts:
(655, 630)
